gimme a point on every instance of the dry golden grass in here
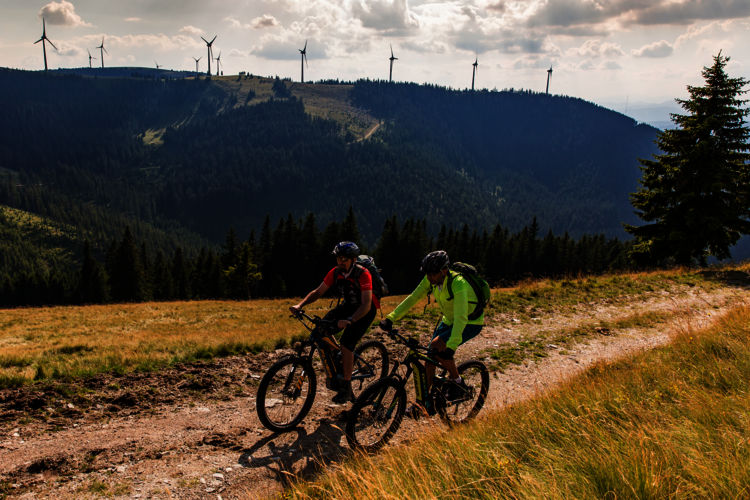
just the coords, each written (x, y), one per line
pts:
(78, 341)
(69, 342)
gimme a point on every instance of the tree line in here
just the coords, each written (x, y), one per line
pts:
(292, 258)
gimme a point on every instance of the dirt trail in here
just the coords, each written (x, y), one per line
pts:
(191, 431)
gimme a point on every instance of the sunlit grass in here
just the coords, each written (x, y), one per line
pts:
(669, 423)
(70, 342)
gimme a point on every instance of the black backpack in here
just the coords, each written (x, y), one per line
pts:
(481, 288)
(379, 288)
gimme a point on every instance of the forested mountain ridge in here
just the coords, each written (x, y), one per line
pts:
(190, 158)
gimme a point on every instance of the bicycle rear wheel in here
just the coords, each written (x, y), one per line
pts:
(286, 394)
(477, 377)
(370, 363)
(376, 415)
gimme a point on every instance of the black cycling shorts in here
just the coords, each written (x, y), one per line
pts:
(354, 332)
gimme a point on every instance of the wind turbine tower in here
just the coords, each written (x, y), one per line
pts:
(210, 54)
(549, 75)
(43, 40)
(218, 64)
(474, 72)
(303, 62)
(102, 50)
(390, 76)
(196, 66)
(90, 58)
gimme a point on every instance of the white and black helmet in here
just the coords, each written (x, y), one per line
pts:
(435, 261)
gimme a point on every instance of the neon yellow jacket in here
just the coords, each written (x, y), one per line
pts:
(455, 312)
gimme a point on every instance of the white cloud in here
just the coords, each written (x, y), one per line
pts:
(62, 14)
(610, 65)
(133, 19)
(656, 49)
(387, 17)
(586, 64)
(265, 21)
(192, 30)
(237, 53)
(67, 50)
(594, 49)
(694, 31)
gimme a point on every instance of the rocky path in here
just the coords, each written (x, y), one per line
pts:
(191, 431)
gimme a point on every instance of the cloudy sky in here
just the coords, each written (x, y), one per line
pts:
(600, 50)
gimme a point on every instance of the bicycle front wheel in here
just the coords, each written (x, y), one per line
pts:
(286, 394)
(477, 377)
(376, 415)
(370, 363)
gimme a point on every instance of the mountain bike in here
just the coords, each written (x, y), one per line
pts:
(287, 390)
(377, 413)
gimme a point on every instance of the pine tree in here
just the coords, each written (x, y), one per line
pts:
(162, 278)
(180, 276)
(349, 230)
(92, 282)
(696, 196)
(128, 275)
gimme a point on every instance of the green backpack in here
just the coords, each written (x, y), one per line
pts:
(481, 288)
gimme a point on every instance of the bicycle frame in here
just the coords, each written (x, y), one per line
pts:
(414, 367)
(327, 346)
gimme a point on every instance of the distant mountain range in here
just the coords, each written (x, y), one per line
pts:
(655, 114)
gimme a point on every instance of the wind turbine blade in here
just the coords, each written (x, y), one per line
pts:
(305, 56)
(51, 43)
(38, 41)
(305, 46)
(204, 40)
(212, 41)
(391, 50)
(105, 51)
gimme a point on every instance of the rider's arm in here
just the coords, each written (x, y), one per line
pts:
(460, 314)
(365, 307)
(418, 294)
(313, 296)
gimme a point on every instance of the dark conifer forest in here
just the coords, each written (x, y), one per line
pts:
(491, 177)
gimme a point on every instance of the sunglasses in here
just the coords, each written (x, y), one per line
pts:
(341, 258)
(432, 275)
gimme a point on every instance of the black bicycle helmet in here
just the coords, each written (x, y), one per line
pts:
(346, 249)
(435, 261)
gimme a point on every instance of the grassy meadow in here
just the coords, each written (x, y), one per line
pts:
(669, 423)
(72, 342)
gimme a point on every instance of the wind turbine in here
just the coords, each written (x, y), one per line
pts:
(90, 58)
(474, 72)
(390, 78)
(210, 54)
(45, 39)
(102, 50)
(303, 55)
(196, 66)
(549, 75)
(218, 64)
(157, 64)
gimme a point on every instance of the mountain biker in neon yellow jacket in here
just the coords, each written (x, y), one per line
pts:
(454, 328)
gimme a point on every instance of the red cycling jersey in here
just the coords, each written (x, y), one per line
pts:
(348, 291)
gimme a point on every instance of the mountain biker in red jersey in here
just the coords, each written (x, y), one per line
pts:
(355, 313)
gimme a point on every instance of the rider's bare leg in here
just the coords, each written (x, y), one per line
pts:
(448, 364)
